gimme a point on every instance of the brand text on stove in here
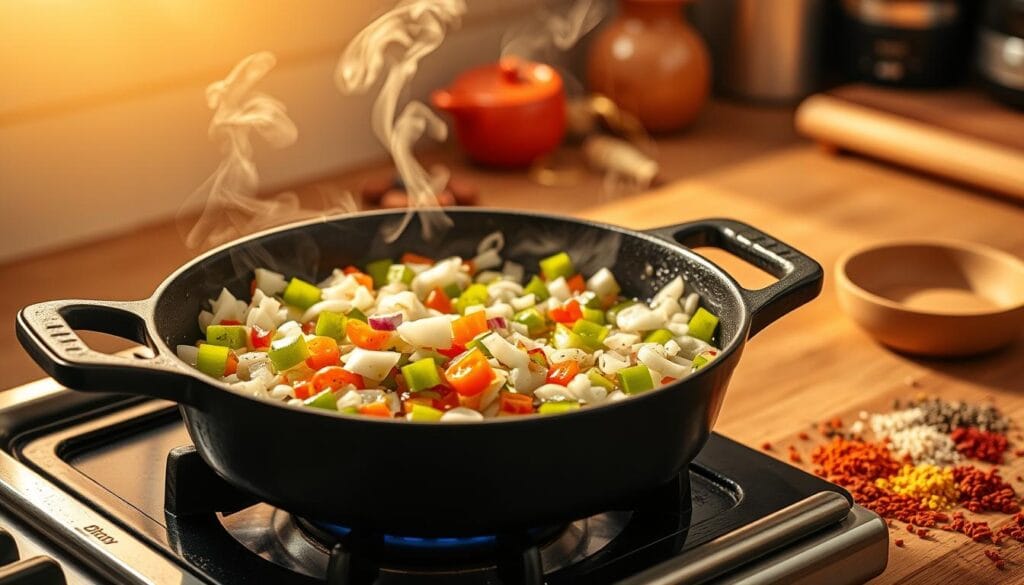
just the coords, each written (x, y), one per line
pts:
(99, 534)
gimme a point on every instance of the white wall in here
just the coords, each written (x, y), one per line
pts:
(103, 118)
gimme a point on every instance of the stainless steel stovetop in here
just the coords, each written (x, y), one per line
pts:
(110, 490)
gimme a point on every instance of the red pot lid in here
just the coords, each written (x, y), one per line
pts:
(509, 82)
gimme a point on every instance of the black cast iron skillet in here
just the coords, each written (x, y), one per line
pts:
(432, 478)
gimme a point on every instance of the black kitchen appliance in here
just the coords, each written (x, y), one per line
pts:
(1001, 50)
(102, 488)
(907, 43)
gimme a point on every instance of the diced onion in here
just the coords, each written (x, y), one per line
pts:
(497, 323)
(435, 332)
(375, 365)
(461, 414)
(386, 322)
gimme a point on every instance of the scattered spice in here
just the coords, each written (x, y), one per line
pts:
(766, 446)
(1015, 528)
(899, 542)
(794, 455)
(978, 444)
(804, 436)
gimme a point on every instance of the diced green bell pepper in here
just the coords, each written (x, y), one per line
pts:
(592, 301)
(598, 379)
(660, 336)
(400, 273)
(233, 336)
(475, 294)
(635, 379)
(301, 294)
(534, 320)
(350, 410)
(288, 352)
(558, 265)
(212, 359)
(421, 374)
(424, 413)
(591, 333)
(702, 325)
(538, 288)
(378, 270)
(594, 315)
(357, 315)
(325, 400)
(565, 338)
(452, 290)
(614, 311)
(699, 361)
(331, 324)
(557, 407)
(477, 342)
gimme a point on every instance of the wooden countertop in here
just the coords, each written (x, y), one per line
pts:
(811, 365)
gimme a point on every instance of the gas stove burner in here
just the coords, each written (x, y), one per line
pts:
(306, 547)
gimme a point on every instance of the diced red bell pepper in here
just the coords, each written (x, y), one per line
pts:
(449, 399)
(439, 301)
(350, 270)
(667, 380)
(464, 329)
(568, 313)
(335, 378)
(452, 352)
(259, 338)
(470, 374)
(366, 337)
(232, 366)
(376, 409)
(512, 403)
(229, 322)
(309, 328)
(563, 372)
(302, 390)
(411, 258)
(576, 284)
(323, 352)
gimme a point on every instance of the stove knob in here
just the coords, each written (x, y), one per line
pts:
(34, 571)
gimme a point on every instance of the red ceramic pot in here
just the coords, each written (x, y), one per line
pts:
(507, 114)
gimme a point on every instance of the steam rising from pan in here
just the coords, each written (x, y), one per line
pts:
(227, 199)
(395, 43)
(538, 37)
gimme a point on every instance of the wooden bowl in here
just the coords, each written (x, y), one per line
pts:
(934, 297)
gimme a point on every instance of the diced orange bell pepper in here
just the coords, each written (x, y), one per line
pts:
(576, 284)
(323, 352)
(512, 403)
(439, 301)
(232, 366)
(366, 337)
(302, 390)
(464, 329)
(411, 258)
(563, 372)
(471, 374)
(376, 409)
(335, 378)
(568, 313)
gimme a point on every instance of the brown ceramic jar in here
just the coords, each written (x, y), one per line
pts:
(651, 63)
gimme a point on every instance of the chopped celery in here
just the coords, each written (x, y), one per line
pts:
(699, 362)
(558, 265)
(477, 342)
(212, 359)
(233, 336)
(538, 288)
(357, 315)
(378, 270)
(475, 294)
(422, 412)
(660, 336)
(421, 374)
(635, 379)
(565, 338)
(533, 319)
(702, 325)
(325, 400)
(301, 294)
(614, 311)
(594, 315)
(288, 352)
(400, 273)
(593, 301)
(557, 407)
(591, 333)
(452, 290)
(597, 379)
(331, 324)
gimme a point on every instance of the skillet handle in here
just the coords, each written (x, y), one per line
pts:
(47, 332)
(800, 276)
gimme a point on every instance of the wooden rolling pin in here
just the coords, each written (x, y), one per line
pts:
(835, 122)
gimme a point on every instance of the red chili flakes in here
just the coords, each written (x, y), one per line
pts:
(766, 446)
(981, 491)
(1019, 452)
(978, 444)
(910, 528)
(803, 436)
(976, 531)
(794, 455)
(993, 555)
(899, 542)
(922, 533)
(836, 422)
(1015, 528)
